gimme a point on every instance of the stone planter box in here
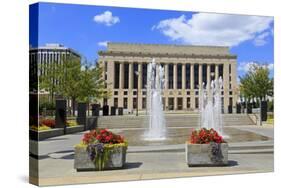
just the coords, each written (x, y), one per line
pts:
(82, 161)
(206, 154)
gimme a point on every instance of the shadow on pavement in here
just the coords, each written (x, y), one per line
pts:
(132, 165)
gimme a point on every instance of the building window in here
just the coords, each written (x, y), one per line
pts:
(115, 92)
(229, 68)
(230, 93)
(143, 103)
(213, 67)
(204, 73)
(187, 76)
(221, 71)
(196, 92)
(196, 75)
(134, 92)
(188, 93)
(171, 103)
(163, 103)
(196, 102)
(179, 76)
(144, 75)
(135, 69)
(126, 75)
(144, 93)
(125, 103)
(115, 102)
(179, 101)
(230, 101)
(170, 76)
(188, 102)
(104, 101)
(116, 74)
(125, 92)
(134, 103)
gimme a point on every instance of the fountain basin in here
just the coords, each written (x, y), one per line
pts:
(213, 154)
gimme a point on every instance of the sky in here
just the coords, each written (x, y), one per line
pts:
(88, 28)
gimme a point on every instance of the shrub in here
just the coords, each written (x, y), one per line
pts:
(39, 128)
(205, 136)
(71, 123)
(48, 122)
(47, 105)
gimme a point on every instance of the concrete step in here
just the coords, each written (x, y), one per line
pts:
(172, 120)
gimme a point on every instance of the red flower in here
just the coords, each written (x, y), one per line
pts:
(205, 136)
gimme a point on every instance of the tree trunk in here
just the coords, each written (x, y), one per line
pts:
(260, 112)
(73, 105)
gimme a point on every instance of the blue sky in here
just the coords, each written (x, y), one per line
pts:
(87, 28)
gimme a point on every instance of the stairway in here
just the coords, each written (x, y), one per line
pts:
(172, 120)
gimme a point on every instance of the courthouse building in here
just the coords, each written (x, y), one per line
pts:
(185, 66)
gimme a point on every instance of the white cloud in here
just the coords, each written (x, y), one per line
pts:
(106, 18)
(260, 39)
(214, 29)
(103, 43)
(244, 67)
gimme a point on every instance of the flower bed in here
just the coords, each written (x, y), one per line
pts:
(100, 150)
(206, 148)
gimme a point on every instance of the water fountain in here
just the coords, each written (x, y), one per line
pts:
(211, 106)
(155, 84)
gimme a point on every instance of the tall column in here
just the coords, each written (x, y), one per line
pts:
(175, 76)
(121, 84)
(110, 78)
(183, 76)
(234, 82)
(192, 97)
(130, 91)
(183, 86)
(226, 85)
(131, 76)
(192, 76)
(140, 86)
(121, 76)
(216, 71)
(200, 75)
(166, 76)
(208, 74)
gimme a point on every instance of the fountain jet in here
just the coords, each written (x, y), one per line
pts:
(211, 106)
(156, 120)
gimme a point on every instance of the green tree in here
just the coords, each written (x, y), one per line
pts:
(257, 83)
(75, 82)
(92, 84)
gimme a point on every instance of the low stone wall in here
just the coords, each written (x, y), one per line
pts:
(75, 129)
(42, 135)
(207, 154)
(82, 161)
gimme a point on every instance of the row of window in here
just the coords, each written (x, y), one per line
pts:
(171, 93)
(179, 73)
(169, 106)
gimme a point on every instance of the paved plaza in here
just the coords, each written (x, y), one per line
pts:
(56, 160)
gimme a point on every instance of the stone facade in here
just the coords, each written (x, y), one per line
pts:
(186, 67)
